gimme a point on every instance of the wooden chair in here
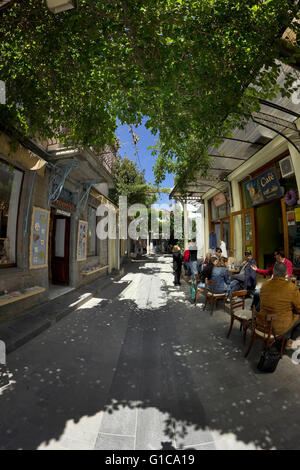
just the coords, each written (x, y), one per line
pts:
(211, 297)
(199, 289)
(237, 312)
(262, 330)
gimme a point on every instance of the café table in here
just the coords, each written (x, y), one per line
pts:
(233, 271)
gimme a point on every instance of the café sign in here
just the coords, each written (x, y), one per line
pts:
(264, 188)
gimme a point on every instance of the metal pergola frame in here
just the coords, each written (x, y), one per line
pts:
(274, 123)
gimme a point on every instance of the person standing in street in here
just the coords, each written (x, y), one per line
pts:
(193, 259)
(177, 264)
(186, 263)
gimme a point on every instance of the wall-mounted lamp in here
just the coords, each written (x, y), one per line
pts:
(57, 6)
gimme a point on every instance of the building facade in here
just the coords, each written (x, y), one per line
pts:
(49, 197)
(251, 194)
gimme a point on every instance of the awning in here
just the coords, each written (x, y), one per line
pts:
(276, 117)
(25, 157)
(101, 198)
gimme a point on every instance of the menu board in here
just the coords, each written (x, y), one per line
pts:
(38, 252)
(264, 187)
(82, 240)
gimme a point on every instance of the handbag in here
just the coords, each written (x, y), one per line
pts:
(193, 291)
(269, 358)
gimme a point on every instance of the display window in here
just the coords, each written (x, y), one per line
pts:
(219, 222)
(10, 189)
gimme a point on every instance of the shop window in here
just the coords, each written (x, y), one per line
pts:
(219, 212)
(222, 211)
(92, 238)
(10, 187)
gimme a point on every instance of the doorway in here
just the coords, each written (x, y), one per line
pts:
(59, 249)
(270, 236)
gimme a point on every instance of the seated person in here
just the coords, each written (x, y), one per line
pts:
(220, 275)
(281, 297)
(246, 278)
(207, 260)
(231, 259)
(279, 258)
(218, 253)
(207, 271)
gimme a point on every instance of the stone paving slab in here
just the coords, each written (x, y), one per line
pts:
(117, 376)
(33, 322)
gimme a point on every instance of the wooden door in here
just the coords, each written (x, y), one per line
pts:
(60, 250)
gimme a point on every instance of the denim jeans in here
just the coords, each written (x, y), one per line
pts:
(194, 268)
(186, 265)
(256, 300)
(233, 287)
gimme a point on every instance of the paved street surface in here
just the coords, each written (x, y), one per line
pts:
(142, 368)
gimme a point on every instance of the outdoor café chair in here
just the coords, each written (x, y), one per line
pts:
(211, 297)
(262, 329)
(199, 290)
(238, 312)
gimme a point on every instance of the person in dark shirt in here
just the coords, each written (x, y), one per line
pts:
(177, 264)
(207, 271)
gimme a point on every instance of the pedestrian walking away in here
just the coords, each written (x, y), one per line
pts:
(177, 264)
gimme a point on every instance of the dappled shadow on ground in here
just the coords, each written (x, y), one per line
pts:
(170, 370)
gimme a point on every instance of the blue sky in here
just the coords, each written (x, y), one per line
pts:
(146, 159)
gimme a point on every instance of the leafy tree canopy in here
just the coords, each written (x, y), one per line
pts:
(184, 64)
(130, 181)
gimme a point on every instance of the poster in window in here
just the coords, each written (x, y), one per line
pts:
(39, 238)
(82, 240)
(291, 218)
(297, 214)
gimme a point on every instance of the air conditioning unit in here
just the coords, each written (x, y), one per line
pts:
(286, 167)
(57, 6)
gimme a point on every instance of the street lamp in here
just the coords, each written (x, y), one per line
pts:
(57, 6)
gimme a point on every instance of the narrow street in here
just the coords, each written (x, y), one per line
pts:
(143, 368)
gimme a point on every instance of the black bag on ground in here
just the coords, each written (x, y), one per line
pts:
(269, 358)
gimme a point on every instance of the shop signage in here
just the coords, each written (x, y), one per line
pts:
(38, 257)
(264, 187)
(219, 199)
(65, 205)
